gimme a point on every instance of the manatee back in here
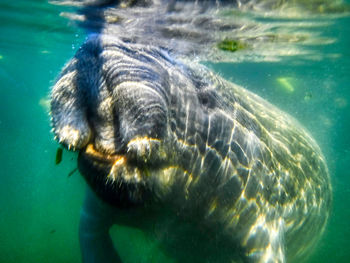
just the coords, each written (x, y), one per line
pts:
(253, 169)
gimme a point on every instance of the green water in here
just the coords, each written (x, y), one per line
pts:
(39, 203)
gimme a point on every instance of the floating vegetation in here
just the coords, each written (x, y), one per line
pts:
(340, 103)
(59, 153)
(326, 121)
(308, 96)
(231, 45)
(285, 84)
(72, 172)
(45, 103)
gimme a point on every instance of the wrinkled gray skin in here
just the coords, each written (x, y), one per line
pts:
(211, 171)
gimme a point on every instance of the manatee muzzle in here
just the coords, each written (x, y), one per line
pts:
(114, 178)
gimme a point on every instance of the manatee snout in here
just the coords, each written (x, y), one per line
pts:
(109, 99)
(112, 106)
(141, 112)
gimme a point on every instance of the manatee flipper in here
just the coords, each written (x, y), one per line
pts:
(95, 221)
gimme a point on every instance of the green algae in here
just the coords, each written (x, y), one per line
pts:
(231, 45)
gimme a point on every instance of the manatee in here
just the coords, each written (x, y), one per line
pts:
(211, 171)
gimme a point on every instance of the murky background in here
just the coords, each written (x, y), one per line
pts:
(40, 201)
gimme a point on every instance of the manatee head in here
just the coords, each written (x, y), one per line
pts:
(111, 103)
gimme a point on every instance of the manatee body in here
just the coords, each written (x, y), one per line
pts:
(210, 170)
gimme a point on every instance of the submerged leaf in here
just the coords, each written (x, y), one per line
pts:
(59, 153)
(72, 172)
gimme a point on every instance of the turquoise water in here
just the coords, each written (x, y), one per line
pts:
(40, 203)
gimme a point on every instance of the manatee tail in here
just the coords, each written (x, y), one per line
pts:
(95, 221)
